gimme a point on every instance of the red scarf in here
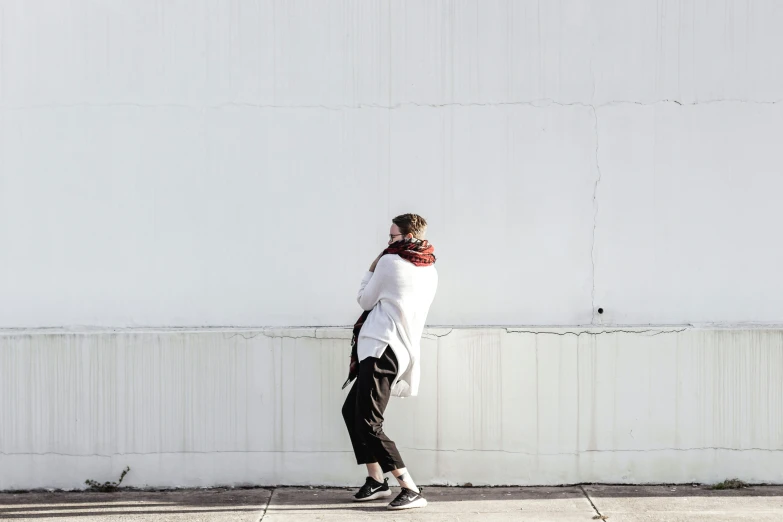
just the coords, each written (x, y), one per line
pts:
(420, 253)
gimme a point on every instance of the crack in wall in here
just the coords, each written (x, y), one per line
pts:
(271, 335)
(608, 331)
(510, 330)
(436, 336)
(595, 216)
(244, 337)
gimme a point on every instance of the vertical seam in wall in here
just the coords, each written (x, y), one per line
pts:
(578, 404)
(274, 53)
(389, 116)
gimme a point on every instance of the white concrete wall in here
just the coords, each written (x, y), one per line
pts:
(497, 406)
(213, 164)
(208, 163)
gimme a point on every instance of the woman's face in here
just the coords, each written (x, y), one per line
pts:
(395, 234)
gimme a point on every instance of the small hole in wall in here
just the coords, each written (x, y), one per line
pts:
(600, 310)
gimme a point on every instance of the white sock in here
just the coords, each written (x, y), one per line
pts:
(406, 477)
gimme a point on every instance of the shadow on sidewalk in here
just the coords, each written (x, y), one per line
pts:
(32, 505)
(201, 502)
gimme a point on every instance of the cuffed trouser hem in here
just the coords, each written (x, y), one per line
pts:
(363, 412)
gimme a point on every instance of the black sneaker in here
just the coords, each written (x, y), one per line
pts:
(408, 499)
(373, 489)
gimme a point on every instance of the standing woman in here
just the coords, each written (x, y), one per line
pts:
(396, 294)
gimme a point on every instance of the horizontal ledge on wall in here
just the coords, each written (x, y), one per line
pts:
(344, 331)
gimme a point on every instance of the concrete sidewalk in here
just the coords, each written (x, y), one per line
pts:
(544, 504)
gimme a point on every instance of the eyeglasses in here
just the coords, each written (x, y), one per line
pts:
(392, 236)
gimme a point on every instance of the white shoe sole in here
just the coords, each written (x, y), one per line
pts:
(377, 494)
(418, 503)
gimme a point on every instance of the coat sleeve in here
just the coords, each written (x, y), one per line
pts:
(373, 283)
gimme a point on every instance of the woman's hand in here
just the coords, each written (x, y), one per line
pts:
(375, 263)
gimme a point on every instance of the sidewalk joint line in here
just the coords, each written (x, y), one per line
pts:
(268, 501)
(600, 515)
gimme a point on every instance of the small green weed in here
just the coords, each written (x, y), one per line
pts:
(730, 484)
(106, 487)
